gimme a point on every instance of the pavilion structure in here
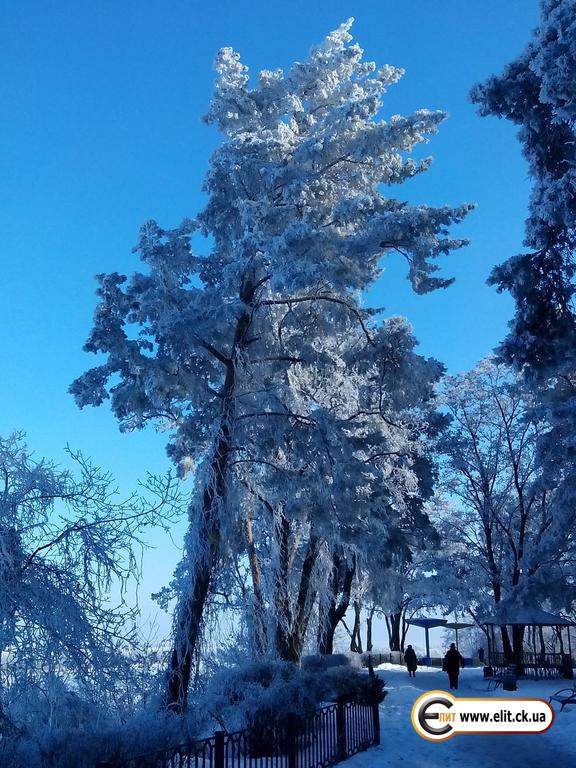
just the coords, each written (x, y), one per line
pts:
(427, 625)
(534, 660)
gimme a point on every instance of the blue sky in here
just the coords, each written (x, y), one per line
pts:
(101, 130)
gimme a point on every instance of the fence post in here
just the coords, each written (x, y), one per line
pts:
(376, 721)
(341, 732)
(291, 726)
(218, 749)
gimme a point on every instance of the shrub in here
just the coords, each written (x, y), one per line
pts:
(263, 692)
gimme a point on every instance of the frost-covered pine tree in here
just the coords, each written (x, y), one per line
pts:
(299, 217)
(537, 91)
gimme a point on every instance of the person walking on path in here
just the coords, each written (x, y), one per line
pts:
(451, 664)
(411, 661)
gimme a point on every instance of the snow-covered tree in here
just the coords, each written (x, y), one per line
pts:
(361, 475)
(506, 538)
(224, 347)
(67, 546)
(376, 570)
(537, 91)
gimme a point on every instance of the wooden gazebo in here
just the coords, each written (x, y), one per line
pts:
(531, 661)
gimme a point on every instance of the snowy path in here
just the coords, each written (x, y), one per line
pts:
(401, 745)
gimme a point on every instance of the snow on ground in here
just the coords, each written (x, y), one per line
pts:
(401, 745)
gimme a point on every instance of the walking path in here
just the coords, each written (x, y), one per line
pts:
(401, 745)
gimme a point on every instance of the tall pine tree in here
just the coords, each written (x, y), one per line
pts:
(537, 91)
(298, 220)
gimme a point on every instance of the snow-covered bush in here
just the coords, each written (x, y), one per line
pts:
(50, 702)
(97, 740)
(263, 694)
(348, 684)
(260, 692)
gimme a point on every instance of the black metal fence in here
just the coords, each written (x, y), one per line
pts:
(321, 739)
(397, 657)
(381, 657)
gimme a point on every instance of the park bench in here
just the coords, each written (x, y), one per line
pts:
(564, 696)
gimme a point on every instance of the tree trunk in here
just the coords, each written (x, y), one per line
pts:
(260, 633)
(282, 587)
(356, 638)
(369, 620)
(190, 619)
(393, 624)
(405, 627)
(558, 631)
(290, 635)
(541, 637)
(327, 613)
(518, 639)
(506, 644)
(306, 597)
(191, 608)
(340, 580)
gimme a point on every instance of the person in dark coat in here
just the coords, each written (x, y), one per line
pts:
(481, 655)
(411, 661)
(451, 664)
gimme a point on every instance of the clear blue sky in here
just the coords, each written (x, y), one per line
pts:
(100, 130)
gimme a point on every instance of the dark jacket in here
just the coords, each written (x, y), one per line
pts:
(452, 661)
(410, 659)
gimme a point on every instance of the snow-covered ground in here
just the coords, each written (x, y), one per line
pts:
(401, 745)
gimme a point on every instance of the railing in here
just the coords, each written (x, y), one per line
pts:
(382, 657)
(321, 739)
(529, 663)
(397, 657)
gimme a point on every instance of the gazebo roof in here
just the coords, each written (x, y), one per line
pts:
(457, 625)
(427, 623)
(527, 616)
